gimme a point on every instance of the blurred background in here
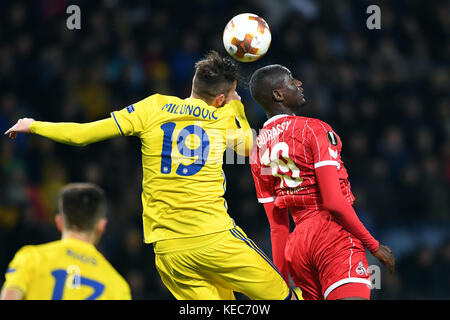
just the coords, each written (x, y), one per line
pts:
(385, 92)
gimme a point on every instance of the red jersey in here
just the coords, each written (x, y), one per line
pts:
(326, 249)
(286, 152)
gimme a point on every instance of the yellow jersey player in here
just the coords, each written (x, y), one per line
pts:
(199, 252)
(70, 268)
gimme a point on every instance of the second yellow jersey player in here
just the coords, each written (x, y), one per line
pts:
(68, 269)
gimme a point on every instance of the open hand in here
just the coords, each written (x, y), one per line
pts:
(23, 126)
(386, 257)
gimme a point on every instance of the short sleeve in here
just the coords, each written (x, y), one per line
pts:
(324, 143)
(135, 119)
(20, 269)
(262, 178)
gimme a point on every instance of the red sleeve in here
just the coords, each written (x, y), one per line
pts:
(334, 201)
(262, 178)
(324, 143)
(279, 231)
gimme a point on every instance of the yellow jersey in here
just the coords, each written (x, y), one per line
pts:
(68, 269)
(183, 142)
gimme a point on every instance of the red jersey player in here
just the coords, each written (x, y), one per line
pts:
(296, 165)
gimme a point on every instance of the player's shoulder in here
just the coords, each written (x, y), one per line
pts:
(164, 98)
(306, 124)
(151, 99)
(28, 249)
(46, 250)
(38, 248)
(108, 268)
(33, 251)
(316, 126)
(114, 275)
(157, 99)
(317, 123)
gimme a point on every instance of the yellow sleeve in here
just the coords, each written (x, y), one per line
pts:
(20, 269)
(136, 118)
(76, 134)
(121, 289)
(126, 293)
(241, 137)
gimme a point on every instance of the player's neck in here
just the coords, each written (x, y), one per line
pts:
(194, 96)
(88, 237)
(278, 109)
(278, 113)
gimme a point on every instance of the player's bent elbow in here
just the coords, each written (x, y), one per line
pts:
(78, 142)
(332, 206)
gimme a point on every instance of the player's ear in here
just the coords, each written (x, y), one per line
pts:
(59, 222)
(277, 95)
(101, 226)
(219, 100)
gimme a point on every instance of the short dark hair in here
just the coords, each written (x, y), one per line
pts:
(82, 205)
(265, 80)
(214, 75)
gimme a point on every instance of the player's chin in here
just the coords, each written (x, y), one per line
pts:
(301, 101)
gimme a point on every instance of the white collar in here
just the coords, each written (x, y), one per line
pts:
(278, 116)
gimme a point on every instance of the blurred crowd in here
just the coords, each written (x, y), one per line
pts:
(385, 92)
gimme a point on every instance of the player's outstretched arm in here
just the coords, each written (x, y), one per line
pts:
(75, 134)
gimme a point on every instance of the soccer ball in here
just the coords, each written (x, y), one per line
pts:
(247, 37)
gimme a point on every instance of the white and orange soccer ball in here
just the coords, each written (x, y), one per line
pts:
(247, 37)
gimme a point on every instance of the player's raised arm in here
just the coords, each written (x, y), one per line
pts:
(241, 139)
(76, 134)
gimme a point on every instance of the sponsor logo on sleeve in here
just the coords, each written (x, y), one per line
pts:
(130, 109)
(332, 138)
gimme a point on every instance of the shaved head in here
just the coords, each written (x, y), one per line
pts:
(265, 80)
(276, 90)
